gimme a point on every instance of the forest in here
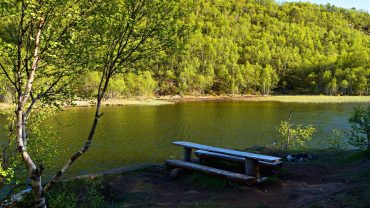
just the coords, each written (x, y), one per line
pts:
(250, 47)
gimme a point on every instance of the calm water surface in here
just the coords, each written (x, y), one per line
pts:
(130, 135)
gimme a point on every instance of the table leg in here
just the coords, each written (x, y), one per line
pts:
(250, 167)
(187, 154)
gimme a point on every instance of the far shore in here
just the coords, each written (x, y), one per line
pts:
(276, 98)
(164, 100)
(171, 99)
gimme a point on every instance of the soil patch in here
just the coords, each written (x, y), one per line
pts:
(332, 180)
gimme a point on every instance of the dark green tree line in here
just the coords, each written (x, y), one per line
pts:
(257, 47)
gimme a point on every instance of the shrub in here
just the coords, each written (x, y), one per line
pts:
(63, 200)
(94, 199)
(294, 137)
(336, 140)
(360, 128)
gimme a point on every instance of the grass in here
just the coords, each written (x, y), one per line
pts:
(5, 106)
(357, 156)
(204, 181)
(109, 102)
(316, 99)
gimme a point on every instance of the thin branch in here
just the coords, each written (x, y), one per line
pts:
(41, 95)
(89, 138)
(7, 76)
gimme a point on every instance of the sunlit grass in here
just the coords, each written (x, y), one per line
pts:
(124, 102)
(4, 106)
(316, 99)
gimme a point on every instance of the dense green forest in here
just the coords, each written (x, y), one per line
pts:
(252, 47)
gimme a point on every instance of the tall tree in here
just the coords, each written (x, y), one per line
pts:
(38, 61)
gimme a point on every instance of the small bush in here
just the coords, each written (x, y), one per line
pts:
(360, 128)
(294, 137)
(94, 199)
(336, 141)
(79, 193)
(63, 200)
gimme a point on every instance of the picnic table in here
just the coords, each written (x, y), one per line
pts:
(251, 161)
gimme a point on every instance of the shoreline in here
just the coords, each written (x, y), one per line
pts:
(271, 98)
(173, 99)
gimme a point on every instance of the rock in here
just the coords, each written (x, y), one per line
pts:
(192, 192)
(300, 157)
(290, 158)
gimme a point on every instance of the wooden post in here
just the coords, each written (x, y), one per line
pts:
(250, 167)
(187, 154)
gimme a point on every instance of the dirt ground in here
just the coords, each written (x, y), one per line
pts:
(331, 180)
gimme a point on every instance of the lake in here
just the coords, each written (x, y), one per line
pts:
(133, 134)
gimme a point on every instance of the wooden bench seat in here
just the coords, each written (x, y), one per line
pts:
(211, 171)
(189, 145)
(215, 155)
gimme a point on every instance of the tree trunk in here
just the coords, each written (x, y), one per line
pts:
(37, 190)
(34, 172)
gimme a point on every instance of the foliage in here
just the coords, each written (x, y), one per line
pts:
(360, 128)
(42, 140)
(6, 175)
(94, 199)
(42, 144)
(262, 46)
(294, 137)
(234, 47)
(84, 193)
(336, 140)
(63, 200)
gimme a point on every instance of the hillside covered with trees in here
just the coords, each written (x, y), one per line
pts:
(251, 47)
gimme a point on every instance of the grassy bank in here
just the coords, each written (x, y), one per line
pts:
(317, 99)
(124, 102)
(164, 100)
(276, 98)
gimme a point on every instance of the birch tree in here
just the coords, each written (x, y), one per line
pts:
(38, 60)
(54, 39)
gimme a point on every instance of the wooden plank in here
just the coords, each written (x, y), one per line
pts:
(215, 155)
(211, 171)
(228, 151)
(277, 163)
